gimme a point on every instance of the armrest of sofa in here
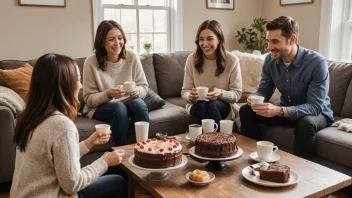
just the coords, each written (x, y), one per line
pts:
(7, 148)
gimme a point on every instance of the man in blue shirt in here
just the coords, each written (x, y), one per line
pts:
(301, 75)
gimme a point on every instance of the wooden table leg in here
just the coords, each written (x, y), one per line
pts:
(131, 186)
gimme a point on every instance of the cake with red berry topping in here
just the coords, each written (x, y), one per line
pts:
(153, 153)
(216, 145)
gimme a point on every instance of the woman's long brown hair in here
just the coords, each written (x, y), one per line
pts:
(215, 27)
(99, 43)
(52, 88)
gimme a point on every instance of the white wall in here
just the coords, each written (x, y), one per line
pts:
(195, 12)
(29, 32)
(307, 16)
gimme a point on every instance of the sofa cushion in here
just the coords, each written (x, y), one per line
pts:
(148, 67)
(251, 69)
(177, 101)
(340, 78)
(347, 105)
(153, 100)
(169, 70)
(9, 64)
(18, 79)
(335, 145)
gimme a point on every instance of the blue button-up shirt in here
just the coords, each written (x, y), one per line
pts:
(303, 85)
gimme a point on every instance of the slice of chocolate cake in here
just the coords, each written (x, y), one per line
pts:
(274, 173)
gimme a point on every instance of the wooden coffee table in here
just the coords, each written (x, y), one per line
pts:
(315, 180)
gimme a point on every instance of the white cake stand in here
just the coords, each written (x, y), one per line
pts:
(216, 164)
(159, 174)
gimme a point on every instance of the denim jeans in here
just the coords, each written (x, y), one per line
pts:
(118, 115)
(305, 131)
(213, 109)
(106, 186)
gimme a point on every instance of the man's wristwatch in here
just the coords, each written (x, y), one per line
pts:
(282, 113)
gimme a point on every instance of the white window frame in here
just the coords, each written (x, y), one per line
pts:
(336, 30)
(174, 21)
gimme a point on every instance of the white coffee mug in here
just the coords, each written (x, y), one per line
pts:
(142, 130)
(193, 131)
(265, 150)
(226, 126)
(202, 92)
(102, 128)
(257, 99)
(209, 125)
(129, 86)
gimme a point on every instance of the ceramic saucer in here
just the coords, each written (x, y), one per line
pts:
(254, 156)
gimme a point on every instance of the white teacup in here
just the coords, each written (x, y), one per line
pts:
(257, 99)
(142, 130)
(102, 128)
(202, 92)
(226, 126)
(265, 150)
(193, 131)
(129, 86)
(209, 125)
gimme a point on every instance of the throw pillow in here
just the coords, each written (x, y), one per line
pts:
(153, 100)
(18, 79)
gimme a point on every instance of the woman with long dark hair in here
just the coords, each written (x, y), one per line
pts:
(104, 73)
(47, 144)
(212, 67)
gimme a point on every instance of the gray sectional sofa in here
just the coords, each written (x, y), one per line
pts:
(164, 73)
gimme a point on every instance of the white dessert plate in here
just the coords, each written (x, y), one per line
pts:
(236, 155)
(254, 156)
(247, 173)
(211, 178)
(184, 162)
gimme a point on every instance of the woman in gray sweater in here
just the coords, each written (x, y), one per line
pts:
(213, 67)
(47, 143)
(103, 74)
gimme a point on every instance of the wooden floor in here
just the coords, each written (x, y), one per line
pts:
(142, 193)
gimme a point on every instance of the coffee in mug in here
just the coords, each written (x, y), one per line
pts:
(265, 150)
(202, 92)
(129, 86)
(226, 126)
(102, 128)
(209, 125)
(142, 130)
(257, 99)
(193, 131)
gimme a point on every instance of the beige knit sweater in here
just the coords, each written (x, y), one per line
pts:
(96, 82)
(50, 165)
(229, 81)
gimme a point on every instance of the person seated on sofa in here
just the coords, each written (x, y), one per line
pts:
(103, 74)
(301, 75)
(212, 67)
(47, 145)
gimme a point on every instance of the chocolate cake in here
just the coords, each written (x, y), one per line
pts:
(154, 153)
(216, 145)
(274, 173)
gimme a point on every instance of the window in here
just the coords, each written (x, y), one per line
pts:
(335, 39)
(142, 21)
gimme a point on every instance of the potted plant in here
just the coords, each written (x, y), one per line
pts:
(147, 45)
(254, 38)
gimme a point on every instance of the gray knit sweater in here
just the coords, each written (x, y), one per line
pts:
(50, 165)
(96, 82)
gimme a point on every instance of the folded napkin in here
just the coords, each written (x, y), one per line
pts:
(12, 100)
(344, 124)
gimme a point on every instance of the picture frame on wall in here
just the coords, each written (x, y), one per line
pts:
(294, 2)
(43, 3)
(220, 4)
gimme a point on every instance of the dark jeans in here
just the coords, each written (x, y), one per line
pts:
(118, 115)
(113, 186)
(305, 128)
(213, 109)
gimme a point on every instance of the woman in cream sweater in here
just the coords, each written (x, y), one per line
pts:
(213, 67)
(47, 143)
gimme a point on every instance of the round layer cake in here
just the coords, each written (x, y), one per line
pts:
(153, 153)
(216, 145)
